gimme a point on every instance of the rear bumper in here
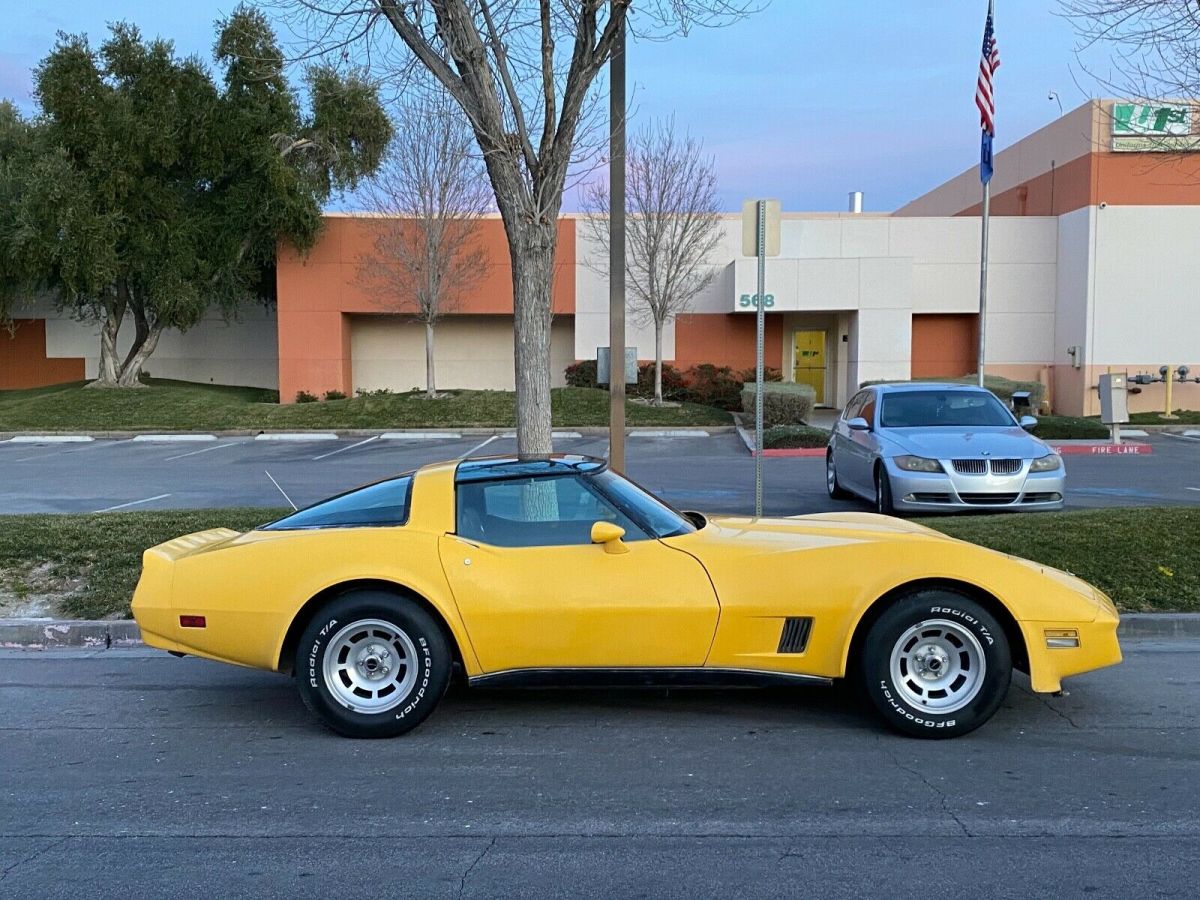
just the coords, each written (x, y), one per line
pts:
(1023, 491)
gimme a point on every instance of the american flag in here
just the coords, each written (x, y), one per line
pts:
(989, 62)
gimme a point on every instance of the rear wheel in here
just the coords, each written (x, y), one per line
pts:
(836, 491)
(883, 492)
(936, 664)
(372, 664)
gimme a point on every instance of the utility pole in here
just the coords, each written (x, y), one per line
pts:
(616, 255)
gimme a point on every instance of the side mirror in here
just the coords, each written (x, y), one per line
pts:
(1028, 422)
(609, 535)
(858, 423)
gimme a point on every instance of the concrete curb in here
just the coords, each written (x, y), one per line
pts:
(53, 634)
(388, 433)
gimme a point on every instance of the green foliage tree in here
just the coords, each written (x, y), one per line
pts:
(147, 190)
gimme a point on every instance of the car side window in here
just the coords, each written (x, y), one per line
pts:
(868, 409)
(853, 407)
(536, 512)
(380, 504)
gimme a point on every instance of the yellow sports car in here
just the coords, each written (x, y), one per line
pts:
(560, 571)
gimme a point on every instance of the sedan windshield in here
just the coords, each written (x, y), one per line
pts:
(932, 409)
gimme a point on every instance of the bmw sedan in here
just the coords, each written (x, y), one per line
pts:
(940, 448)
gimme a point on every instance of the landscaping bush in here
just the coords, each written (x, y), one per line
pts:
(335, 395)
(1070, 428)
(788, 437)
(305, 397)
(582, 374)
(783, 403)
(672, 382)
(769, 374)
(713, 386)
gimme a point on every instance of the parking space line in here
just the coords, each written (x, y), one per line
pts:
(480, 447)
(133, 503)
(1187, 436)
(344, 449)
(204, 450)
(1192, 489)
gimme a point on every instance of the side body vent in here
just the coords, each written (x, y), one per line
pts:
(794, 638)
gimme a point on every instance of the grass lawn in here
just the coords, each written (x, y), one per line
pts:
(86, 566)
(789, 437)
(1186, 417)
(183, 406)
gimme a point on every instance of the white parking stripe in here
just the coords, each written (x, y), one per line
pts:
(1186, 436)
(480, 447)
(344, 449)
(133, 503)
(205, 450)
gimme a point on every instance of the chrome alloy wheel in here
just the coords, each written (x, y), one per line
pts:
(370, 666)
(830, 475)
(938, 665)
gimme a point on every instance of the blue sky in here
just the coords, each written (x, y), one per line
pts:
(805, 101)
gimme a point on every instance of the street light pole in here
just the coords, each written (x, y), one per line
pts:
(616, 255)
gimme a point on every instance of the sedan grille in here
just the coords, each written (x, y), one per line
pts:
(980, 466)
(970, 466)
(987, 499)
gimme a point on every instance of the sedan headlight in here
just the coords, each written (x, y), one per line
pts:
(1048, 463)
(918, 464)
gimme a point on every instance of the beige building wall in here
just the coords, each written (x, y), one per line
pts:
(239, 352)
(470, 352)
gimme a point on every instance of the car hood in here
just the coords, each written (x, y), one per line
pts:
(965, 443)
(784, 535)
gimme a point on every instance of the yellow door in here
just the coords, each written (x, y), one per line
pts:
(809, 364)
(579, 606)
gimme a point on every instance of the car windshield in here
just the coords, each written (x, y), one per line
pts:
(933, 409)
(654, 515)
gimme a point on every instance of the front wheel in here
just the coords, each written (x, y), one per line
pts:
(883, 492)
(372, 664)
(936, 664)
(836, 491)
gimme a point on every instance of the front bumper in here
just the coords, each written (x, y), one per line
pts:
(950, 491)
(1095, 646)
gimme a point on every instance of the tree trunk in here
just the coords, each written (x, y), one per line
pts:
(658, 331)
(141, 332)
(430, 389)
(132, 370)
(110, 369)
(532, 247)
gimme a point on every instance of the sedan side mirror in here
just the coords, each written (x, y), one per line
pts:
(858, 423)
(609, 535)
(1028, 422)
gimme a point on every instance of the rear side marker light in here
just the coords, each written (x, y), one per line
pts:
(192, 622)
(1062, 638)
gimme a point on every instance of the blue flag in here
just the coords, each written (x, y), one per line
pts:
(985, 158)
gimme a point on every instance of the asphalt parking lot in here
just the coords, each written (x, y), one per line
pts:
(709, 473)
(135, 774)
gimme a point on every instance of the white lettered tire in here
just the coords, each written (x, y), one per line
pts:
(372, 664)
(936, 664)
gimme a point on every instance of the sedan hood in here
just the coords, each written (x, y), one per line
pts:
(965, 443)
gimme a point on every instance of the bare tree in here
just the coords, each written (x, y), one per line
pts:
(673, 228)
(430, 193)
(522, 72)
(1154, 45)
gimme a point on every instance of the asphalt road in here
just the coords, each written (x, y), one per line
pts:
(713, 474)
(134, 774)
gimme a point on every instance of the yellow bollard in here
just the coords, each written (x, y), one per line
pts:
(1169, 379)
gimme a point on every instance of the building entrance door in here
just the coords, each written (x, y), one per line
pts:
(809, 361)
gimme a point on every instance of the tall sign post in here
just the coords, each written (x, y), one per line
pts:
(616, 254)
(760, 238)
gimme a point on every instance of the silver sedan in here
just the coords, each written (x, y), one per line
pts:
(940, 448)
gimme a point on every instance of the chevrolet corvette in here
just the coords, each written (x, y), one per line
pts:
(559, 571)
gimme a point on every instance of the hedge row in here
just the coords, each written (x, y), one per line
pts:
(719, 386)
(783, 403)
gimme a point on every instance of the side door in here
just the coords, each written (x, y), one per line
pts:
(535, 592)
(858, 449)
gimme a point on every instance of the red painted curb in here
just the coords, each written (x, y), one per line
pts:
(1104, 449)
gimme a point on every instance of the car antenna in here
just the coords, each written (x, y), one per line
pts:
(282, 491)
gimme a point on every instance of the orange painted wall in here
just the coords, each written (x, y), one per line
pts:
(1119, 179)
(944, 345)
(318, 291)
(726, 340)
(23, 360)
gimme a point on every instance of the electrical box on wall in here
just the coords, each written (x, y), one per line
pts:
(1114, 402)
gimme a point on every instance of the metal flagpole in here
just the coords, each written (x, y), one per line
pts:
(983, 277)
(616, 256)
(760, 331)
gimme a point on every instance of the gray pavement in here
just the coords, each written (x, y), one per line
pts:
(134, 774)
(711, 473)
